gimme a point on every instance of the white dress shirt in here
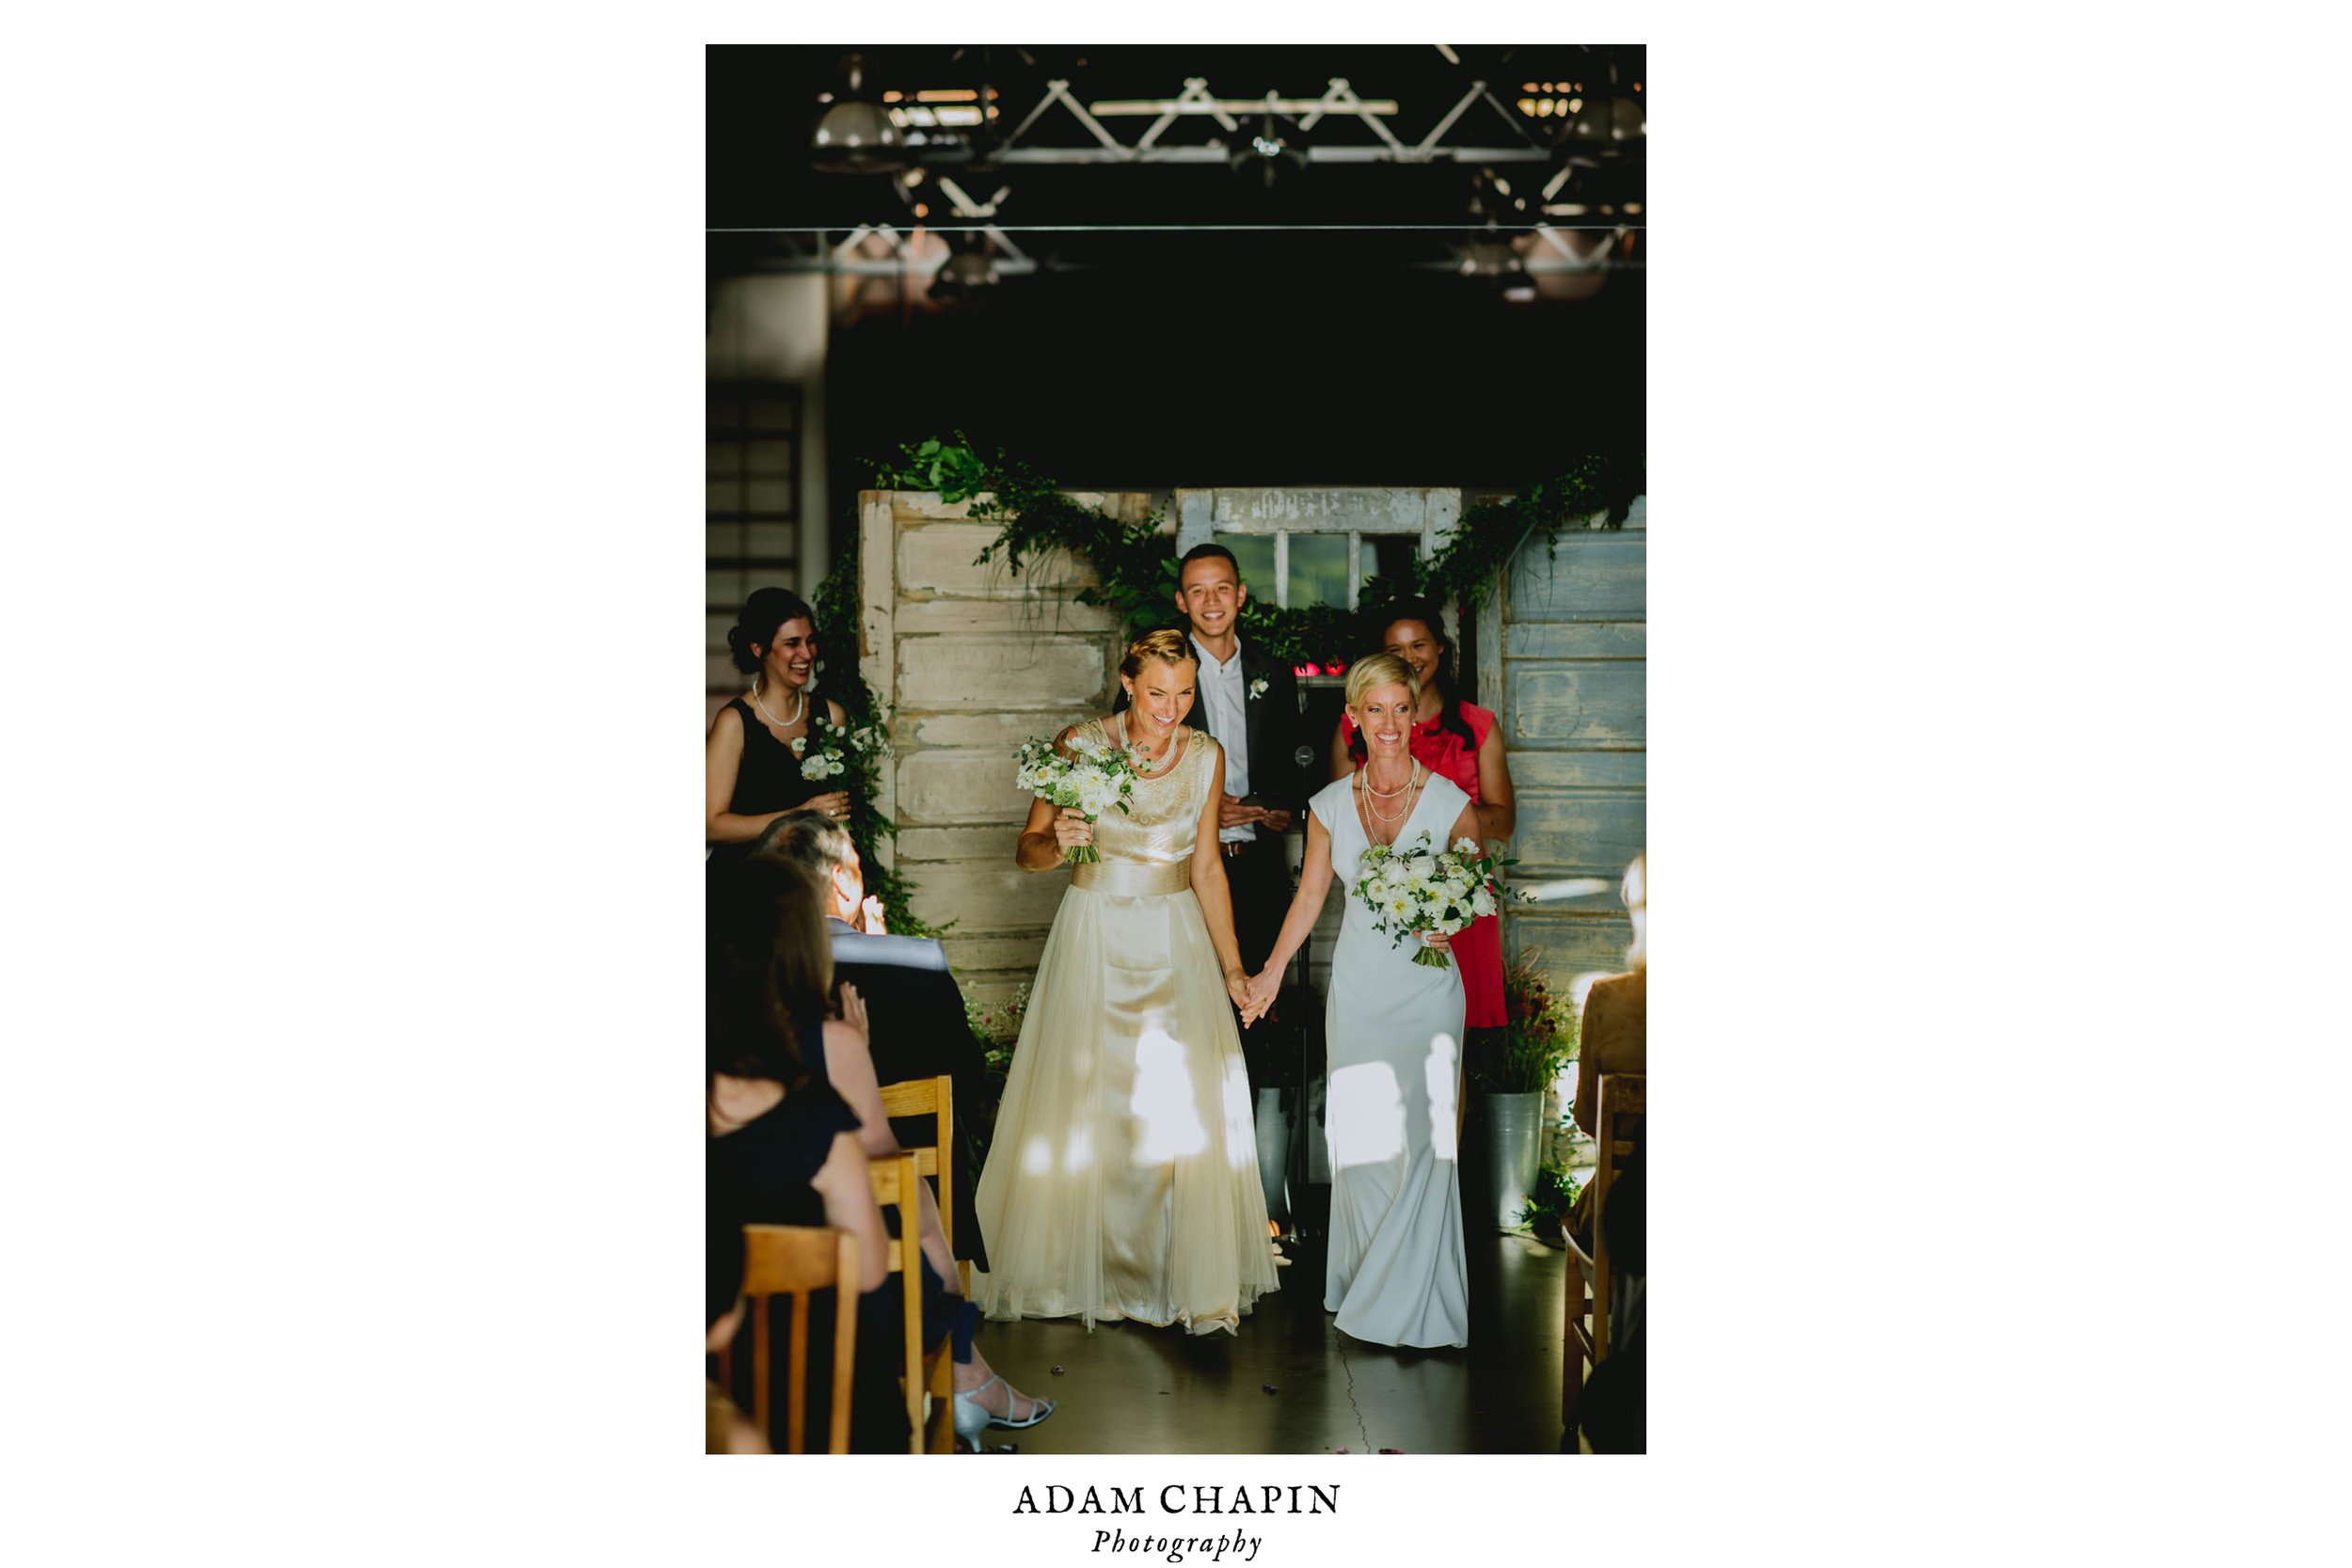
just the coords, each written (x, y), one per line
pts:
(1225, 692)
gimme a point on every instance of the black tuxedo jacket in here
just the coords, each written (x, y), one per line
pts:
(1273, 734)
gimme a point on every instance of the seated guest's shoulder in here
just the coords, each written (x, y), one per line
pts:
(860, 947)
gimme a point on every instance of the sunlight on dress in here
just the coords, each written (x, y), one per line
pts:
(1444, 1141)
(1366, 1116)
(1168, 1122)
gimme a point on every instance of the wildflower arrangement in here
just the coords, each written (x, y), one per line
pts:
(838, 750)
(1091, 777)
(1537, 1040)
(1420, 887)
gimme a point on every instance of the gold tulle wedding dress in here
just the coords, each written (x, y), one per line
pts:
(1122, 1181)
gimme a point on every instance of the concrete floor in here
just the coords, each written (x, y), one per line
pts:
(1130, 1389)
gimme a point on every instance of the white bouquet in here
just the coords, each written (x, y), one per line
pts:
(1093, 778)
(836, 748)
(1418, 887)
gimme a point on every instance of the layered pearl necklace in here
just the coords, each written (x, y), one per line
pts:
(779, 723)
(1413, 782)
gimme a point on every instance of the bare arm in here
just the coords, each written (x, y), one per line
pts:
(1341, 764)
(849, 1067)
(1314, 885)
(722, 759)
(1215, 895)
(1497, 808)
(848, 1194)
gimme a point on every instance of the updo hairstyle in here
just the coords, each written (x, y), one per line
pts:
(1374, 671)
(1166, 646)
(766, 610)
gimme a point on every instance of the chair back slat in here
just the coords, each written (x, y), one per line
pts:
(796, 1261)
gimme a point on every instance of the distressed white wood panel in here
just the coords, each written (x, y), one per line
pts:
(978, 672)
(994, 841)
(988, 897)
(1577, 703)
(937, 559)
(944, 785)
(1000, 732)
(1023, 617)
(1590, 577)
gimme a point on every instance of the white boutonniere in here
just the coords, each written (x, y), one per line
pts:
(1257, 687)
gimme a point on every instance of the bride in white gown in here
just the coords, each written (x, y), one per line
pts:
(1396, 1275)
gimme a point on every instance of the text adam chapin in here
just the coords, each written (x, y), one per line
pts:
(1179, 1498)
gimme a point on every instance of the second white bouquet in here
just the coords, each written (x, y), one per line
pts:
(1092, 780)
(836, 748)
(1420, 887)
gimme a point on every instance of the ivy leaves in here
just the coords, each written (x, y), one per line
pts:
(956, 471)
(1136, 563)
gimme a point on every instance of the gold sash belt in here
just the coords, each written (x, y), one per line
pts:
(1132, 878)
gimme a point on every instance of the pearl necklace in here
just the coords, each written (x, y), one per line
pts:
(1126, 739)
(779, 723)
(1411, 784)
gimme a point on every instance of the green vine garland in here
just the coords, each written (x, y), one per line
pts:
(837, 612)
(1137, 563)
(1138, 567)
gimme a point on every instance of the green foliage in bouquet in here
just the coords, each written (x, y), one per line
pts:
(1537, 1040)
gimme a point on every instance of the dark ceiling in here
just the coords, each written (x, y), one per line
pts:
(1275, 354)
(763, 106)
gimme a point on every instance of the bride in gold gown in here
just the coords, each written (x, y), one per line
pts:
(1122, 1181)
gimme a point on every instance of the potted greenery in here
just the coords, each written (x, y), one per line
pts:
(1509, 1069)
(1549, 1202)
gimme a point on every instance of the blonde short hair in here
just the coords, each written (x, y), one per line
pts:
(1166, 646)
(1377, 670)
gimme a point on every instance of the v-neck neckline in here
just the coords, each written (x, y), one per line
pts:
(1360, 797)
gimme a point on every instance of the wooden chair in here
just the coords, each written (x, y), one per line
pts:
(1618, 1127)
(795, 1260)
(896, 1178)
(934, 1098)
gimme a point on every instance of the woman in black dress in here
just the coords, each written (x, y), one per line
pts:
(750, 774)
(783, 1144)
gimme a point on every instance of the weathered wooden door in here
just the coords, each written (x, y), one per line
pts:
(1562, 659)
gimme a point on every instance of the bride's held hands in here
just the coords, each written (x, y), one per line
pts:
(1071, 829)
(1260, 991)
(1437, 939)
(1238, 987)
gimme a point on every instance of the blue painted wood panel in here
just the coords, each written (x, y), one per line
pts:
(1571, 650)
(1578, 703)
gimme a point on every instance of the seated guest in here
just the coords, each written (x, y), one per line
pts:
(918, 1029)
(839, 1053)
(783, 1141)
(725, 1429)
(1615, 1037)
(1612, 1411)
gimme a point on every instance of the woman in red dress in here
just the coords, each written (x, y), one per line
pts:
(1456, 740)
